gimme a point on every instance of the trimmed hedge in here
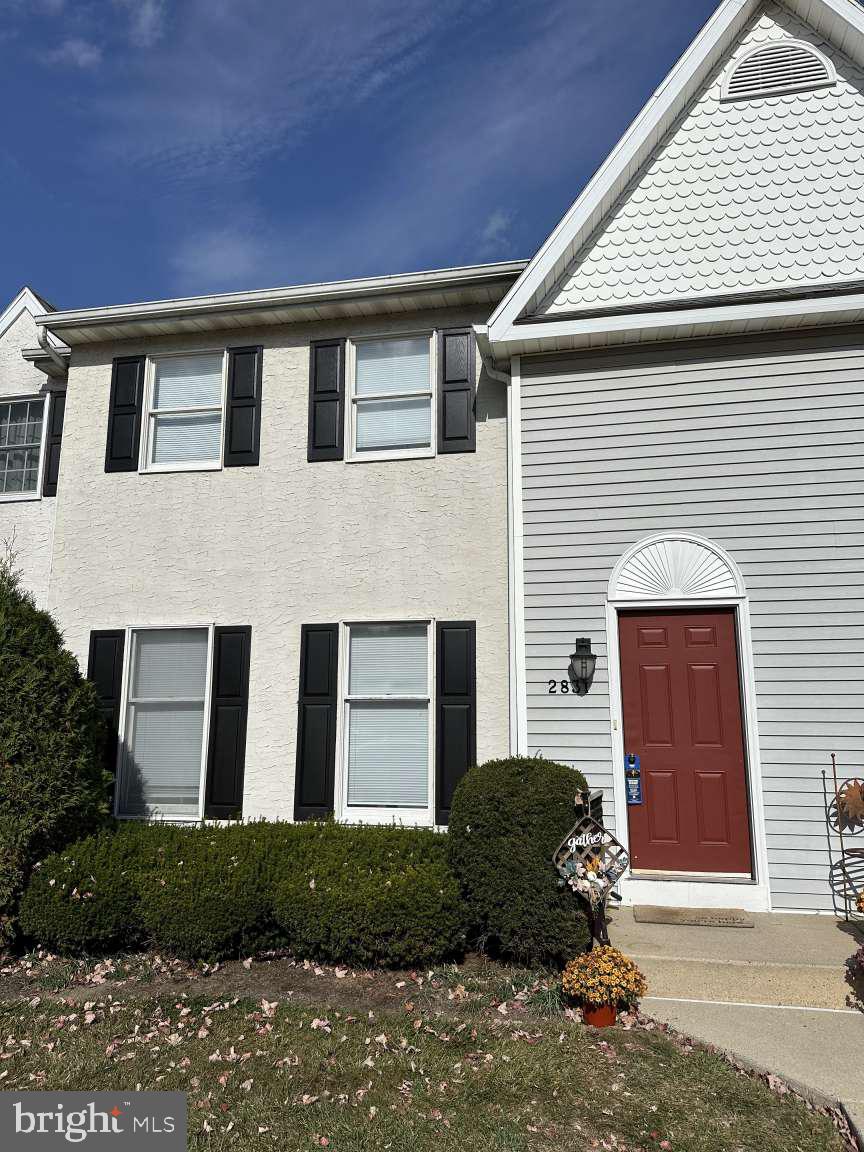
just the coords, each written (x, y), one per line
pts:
(507, 819)
(354, 895)
(397, 905)
(86, 899)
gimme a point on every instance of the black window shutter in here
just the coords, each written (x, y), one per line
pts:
(124, 414)
(456, 422)
(229, 707)
(456, 711)
(56, 413)
(326, 400)
(105, 670)
(243, 415)
(316, 722)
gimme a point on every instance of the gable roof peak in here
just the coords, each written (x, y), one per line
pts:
(838, 22)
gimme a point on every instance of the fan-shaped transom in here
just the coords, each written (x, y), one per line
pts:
(675, 568)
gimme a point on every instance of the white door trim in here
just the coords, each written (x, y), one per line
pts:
(753, 895)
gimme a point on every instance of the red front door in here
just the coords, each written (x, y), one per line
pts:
(682, 717)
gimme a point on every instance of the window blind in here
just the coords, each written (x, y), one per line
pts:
(165, 723)
(388, 755)
(388, 740)
(187, 382)
(388, 661)
(394, 424)
(182, 439)
(385, 367)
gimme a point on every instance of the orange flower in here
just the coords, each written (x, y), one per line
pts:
(603, 976)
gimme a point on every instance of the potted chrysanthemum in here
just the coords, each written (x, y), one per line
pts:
(602, 981)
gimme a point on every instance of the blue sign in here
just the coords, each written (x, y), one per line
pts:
(633, 776)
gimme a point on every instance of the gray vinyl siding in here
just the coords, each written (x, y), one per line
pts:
(757, 446)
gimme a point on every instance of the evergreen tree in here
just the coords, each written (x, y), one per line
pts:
(53, 786)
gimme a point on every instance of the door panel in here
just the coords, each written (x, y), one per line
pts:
(682, 717)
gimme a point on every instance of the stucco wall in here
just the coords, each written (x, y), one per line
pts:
(25, 523)
(287, 542)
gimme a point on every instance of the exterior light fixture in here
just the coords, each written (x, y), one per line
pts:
(582, 665)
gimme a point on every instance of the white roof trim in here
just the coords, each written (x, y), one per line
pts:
(25, 301)
(338, 290)
(633, 149)
(633, 327)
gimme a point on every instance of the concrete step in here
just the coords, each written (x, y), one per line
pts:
(795, 985)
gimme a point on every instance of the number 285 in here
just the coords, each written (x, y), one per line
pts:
(556, 686)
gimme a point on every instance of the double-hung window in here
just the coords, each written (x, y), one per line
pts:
(387, 762)
(162, 764)
(21, 434)
(391, 408)
(184, 412)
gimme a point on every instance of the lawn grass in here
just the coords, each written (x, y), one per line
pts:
(298, 1075)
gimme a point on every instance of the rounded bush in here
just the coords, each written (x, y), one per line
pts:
(507, 819)
(53, 787)
(86, 899)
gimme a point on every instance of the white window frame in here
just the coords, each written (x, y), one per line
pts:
(355, 456)
(148, 420)
(45, 397)
(414, 817)
(128, 634)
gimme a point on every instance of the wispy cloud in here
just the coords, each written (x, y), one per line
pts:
(146, 21)
(495, 237)
(75, 53)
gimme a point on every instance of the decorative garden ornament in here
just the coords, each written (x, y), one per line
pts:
(590, 861)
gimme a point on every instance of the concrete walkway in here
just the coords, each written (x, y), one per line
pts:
(774, 994)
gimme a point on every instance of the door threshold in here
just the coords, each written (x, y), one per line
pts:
(693, 877)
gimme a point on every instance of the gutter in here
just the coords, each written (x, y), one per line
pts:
(275, 298)
(481, 335)
(60, 362)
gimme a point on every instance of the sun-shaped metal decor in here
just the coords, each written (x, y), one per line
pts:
(590, 861)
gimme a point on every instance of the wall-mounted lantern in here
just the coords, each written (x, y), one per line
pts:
(582, 665)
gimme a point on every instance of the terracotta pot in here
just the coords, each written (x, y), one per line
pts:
(600, 1015)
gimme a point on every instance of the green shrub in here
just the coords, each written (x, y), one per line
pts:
(53, 787)
(507, 819)
(351, 895)
(86, 898)
(372, 896)
(212, 899)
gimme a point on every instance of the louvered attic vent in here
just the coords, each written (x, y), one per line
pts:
(785, 66)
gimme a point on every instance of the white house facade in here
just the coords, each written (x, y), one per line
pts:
(686, 354)
(280, 546)
(322, 548)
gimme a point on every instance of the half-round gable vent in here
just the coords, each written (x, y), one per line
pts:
(772, 69)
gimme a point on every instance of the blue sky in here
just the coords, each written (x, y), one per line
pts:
(156, 148)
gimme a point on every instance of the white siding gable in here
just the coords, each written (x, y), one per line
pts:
(739, 198)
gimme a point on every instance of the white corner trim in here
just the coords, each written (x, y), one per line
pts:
(516, 570)
(754, 896)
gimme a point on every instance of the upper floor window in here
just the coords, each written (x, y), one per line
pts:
(21, 431)
(185, 399)
(391, 396)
